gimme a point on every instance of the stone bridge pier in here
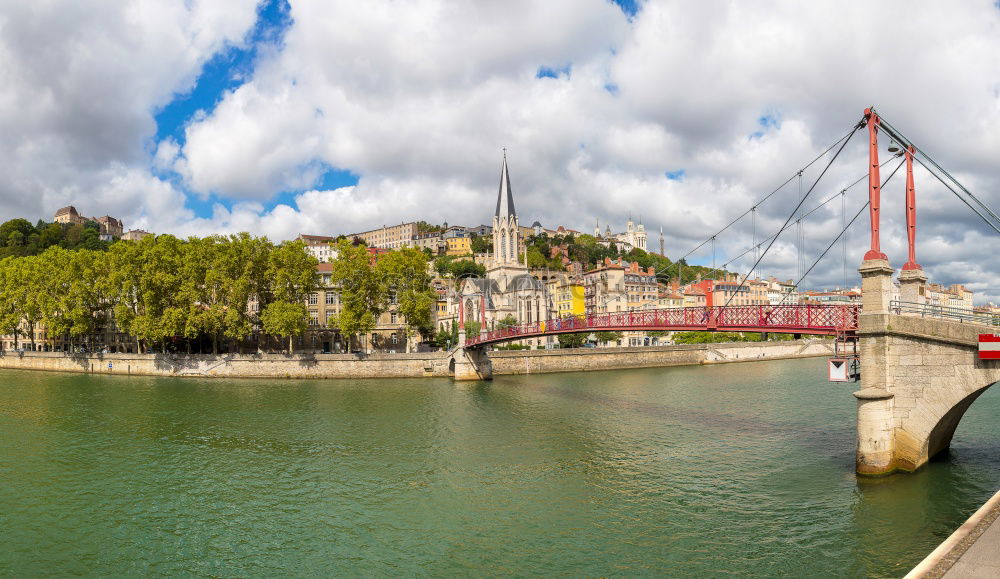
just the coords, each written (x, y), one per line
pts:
(918, 375)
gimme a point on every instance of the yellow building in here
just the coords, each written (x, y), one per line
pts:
(568, 297)
(459, 246)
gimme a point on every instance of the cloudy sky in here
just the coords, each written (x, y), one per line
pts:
(326, 116)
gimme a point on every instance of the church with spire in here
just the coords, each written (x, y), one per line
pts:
(508, 289)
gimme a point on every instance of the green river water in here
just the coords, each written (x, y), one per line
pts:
(740, 470)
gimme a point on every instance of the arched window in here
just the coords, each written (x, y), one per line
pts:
(513, 242)
(503, 245)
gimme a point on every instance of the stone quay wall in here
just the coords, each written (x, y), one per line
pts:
(579, 359)
(237, 366)
(412, 365)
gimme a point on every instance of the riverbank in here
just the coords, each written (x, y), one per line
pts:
(428, 364)
(973, 550)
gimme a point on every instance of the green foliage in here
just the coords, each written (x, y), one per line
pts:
(608, 336)
(572, 340)
(508, 321)
(19, 238)
(448, 266)
(362, 293)
(482, 243)
(726, 337)
(155, 289)
(405, 272)
(512, 347)
(447, 338)
(472, 328)
(368, 288)
(424, 227)
(283, 318)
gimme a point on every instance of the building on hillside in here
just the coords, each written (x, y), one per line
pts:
(319, 246)
(109, 227)
(68, 215)
(458, 246)
(569, 295)
(604, 288)
(389, 236)
(432, 241)
(481, 230)
(781, 292)
(955, 296)
(729, 291)
(135, 235)
(634, 236)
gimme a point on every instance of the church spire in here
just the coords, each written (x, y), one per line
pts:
(505, 199)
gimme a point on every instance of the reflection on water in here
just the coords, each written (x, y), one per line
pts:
(742, 469)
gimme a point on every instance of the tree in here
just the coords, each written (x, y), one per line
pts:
(283, 318)
(463, 268)
(362, 292)
(508, 321)
(472, 328)
(405, 275)
(482, 243)
(572, 340)
(10, 317)
(608, 336)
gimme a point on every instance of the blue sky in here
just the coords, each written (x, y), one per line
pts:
(231, 67)
(226, 71)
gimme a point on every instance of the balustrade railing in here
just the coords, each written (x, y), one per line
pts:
(826, 319)
(961, 315)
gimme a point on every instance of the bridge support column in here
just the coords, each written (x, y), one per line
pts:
(876, 441)
(912, 286)
(918, 377)
(472, 364)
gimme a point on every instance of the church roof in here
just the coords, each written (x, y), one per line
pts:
(505, 199)
(524, 281)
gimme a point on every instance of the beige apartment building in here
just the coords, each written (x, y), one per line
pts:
(323, 336)
(389, 236)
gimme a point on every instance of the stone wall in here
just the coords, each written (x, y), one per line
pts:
(407, 365)
(238, 366)
(543, 361)
(919, 376)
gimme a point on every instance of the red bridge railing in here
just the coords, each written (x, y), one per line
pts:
(792, 319)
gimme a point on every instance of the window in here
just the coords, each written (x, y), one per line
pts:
(394, 338)
(392, 319)
(331, 298)
(313, 299)
(313, 318)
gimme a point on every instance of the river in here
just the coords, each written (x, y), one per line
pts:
(739, 469)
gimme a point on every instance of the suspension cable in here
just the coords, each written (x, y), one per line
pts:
(990, 212)
(842, 231)
(756, 247)
(769, 195)
(801, 201)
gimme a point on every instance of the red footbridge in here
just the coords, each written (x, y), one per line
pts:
(819, 320)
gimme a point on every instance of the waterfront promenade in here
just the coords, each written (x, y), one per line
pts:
(973, 550)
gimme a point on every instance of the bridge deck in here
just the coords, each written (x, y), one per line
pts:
(791, 319)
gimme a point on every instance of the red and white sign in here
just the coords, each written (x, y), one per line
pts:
(989, 347)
